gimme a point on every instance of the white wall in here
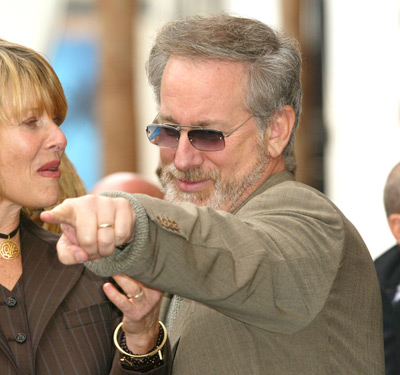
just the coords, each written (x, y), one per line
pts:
(268, 11)
(31, 23)
(362, 92)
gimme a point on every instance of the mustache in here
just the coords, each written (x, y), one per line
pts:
(192, 175)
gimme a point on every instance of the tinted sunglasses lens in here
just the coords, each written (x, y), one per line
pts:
(207, 140)
(163, 136)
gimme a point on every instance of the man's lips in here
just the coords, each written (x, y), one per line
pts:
(189, 186)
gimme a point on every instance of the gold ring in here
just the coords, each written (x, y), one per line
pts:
(136, 296)
(105, 226)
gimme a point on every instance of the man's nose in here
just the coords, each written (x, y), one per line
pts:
(186, 156)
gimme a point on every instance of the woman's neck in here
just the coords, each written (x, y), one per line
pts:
(9, 217)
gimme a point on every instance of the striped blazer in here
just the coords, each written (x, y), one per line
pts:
(63, 322)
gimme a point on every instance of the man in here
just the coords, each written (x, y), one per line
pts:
(388, 269)
(268, 276)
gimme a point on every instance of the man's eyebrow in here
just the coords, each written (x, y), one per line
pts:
(167, 119)
(201, 124)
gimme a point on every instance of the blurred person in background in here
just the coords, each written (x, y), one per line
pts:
(388, 269)
(267, 275)
(128, 182)
(54, 320)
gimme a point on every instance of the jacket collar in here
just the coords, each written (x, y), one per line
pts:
(273, 180)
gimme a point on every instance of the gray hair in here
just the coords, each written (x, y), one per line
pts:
(272, 61)
(391, 193)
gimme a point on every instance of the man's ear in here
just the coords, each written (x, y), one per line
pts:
(279, 130)
(394, 224)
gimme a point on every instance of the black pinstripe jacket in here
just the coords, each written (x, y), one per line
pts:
(62, 312)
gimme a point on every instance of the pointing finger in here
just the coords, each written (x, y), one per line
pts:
(62, 213)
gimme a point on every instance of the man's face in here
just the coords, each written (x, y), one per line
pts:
(210, 94)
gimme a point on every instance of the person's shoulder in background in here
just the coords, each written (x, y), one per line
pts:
(387, 267)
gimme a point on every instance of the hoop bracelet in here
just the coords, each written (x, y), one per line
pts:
(157, 349)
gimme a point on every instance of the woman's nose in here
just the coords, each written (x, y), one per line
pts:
(57, 139)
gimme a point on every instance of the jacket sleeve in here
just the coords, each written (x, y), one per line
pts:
(271, 265)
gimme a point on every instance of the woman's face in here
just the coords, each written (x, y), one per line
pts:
(30, 154)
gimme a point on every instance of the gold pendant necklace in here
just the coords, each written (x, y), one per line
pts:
(9, 249)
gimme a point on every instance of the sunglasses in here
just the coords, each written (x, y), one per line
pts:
(167, 136)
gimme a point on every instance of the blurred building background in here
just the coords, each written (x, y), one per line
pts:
(349, 135)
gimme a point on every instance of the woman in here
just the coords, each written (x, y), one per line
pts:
(53, 319)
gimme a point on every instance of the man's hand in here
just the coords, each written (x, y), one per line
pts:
(140, 306)
(81, 221)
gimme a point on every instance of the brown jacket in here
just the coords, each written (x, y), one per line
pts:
(70, 320)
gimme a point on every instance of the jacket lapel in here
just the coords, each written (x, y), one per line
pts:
(46, 280)
(179, 322)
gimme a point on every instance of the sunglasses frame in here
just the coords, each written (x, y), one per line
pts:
(178, 128)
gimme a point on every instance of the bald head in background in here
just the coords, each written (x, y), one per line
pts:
(128, 182)
(391, 194)
(391, 199)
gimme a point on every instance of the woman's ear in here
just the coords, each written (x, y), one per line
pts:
(394, 224)
(279, 130)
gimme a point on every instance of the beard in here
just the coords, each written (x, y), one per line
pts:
(226, 195)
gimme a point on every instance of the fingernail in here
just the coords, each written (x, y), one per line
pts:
(80, 257)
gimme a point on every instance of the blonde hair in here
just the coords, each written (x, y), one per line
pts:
(26, 79)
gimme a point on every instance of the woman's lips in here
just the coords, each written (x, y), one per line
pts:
(50, 169)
